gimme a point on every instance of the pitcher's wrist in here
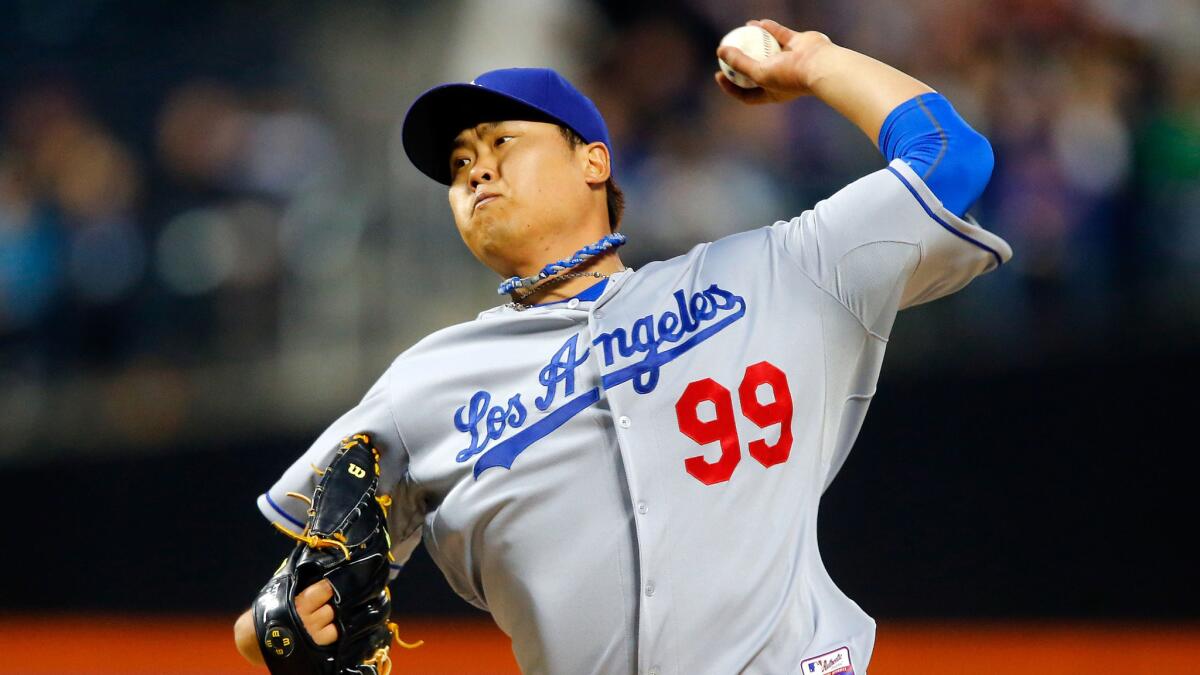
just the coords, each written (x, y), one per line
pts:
(818, 61)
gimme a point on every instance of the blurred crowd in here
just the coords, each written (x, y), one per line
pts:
(232, 189)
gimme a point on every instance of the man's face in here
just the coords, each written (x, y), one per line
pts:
(515, 186)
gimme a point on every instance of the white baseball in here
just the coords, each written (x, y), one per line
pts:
(756, 43)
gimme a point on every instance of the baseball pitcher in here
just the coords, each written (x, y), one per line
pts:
(624, 466)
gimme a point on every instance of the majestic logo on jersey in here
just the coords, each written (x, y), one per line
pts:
(836, 662)
(655, 340)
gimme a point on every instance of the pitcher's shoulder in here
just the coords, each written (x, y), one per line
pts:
(741, 249)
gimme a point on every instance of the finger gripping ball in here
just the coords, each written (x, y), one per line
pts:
(754, 42)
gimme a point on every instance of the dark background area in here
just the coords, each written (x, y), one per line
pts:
(211, 245)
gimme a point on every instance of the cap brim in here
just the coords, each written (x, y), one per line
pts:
(440, 114)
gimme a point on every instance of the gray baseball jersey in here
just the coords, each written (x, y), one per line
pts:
(631, 484)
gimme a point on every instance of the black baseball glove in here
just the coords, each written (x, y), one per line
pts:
(346, 542)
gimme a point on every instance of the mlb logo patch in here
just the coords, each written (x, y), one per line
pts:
(836, 662)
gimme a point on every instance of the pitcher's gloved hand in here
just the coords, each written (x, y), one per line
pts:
(326, 610)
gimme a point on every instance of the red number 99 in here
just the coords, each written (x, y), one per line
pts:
(723, 427)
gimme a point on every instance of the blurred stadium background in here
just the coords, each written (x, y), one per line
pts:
(211, 243)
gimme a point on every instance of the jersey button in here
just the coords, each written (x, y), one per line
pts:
(642, 508)
(625, 422)
(649, 589)
(573, 303)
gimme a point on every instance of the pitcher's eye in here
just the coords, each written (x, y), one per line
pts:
(500, 141)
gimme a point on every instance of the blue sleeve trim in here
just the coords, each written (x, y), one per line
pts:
(954, 160)
(287, 516)
(395, 566)
(949, 228)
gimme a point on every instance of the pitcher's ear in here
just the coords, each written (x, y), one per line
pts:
(599, 166)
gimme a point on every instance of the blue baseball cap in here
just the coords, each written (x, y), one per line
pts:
(531, 94)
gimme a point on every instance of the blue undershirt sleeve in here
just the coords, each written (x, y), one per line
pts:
(954, 160)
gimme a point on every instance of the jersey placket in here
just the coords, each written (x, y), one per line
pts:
(634, 440)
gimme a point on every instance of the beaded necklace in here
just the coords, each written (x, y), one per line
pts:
(607, 243)
(519, 303)
(549, 275)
